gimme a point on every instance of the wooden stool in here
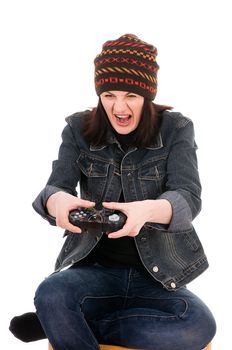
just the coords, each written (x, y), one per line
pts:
(114, 347)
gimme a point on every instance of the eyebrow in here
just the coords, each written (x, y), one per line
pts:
(128, 93)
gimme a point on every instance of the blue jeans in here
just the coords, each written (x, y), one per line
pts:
(87, 305)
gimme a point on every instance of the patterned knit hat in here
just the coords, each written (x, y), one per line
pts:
(127, 64)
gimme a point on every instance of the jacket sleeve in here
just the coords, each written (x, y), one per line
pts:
(183, 188)
(65, 174)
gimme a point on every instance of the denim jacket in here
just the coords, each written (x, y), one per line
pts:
(173, 254)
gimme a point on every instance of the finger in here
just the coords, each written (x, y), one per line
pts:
(63, 222)
(72, 228)
(118, 234)
(85, 203)
(68, 226)
(81, 203)
(113, 205)
(129, 229)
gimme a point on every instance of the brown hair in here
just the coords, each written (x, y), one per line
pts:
(97, 124)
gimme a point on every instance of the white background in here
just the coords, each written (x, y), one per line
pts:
(46, 73)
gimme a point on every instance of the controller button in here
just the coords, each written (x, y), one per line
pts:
(114, 217)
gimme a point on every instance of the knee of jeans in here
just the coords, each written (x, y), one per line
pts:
(43, 295)
(210, 326)
(202, 329)
(50, 294)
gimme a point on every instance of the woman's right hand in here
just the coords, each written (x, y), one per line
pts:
(60, 204)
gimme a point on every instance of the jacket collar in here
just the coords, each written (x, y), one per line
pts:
(158, 142)
(111, 139)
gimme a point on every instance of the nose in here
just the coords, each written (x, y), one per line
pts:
(120, 106)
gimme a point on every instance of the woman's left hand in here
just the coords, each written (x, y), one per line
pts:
(136, 218)
(138, 213)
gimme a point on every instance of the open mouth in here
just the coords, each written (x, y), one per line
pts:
(123, 119)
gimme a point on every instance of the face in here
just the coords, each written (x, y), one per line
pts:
(123, 109)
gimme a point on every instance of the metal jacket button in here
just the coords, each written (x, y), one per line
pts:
(155, 269)
(173, 285)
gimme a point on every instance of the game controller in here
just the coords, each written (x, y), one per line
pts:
(105, 220)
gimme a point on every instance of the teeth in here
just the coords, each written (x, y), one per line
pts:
(122, 116)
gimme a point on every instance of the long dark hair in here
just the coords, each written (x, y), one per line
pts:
(97, 124)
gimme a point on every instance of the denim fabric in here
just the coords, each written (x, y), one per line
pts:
(86, 305)
(173, 254)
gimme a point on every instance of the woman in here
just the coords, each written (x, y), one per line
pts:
(126, 287)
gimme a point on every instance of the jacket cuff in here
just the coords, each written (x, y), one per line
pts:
(181, 212)
(40, 202)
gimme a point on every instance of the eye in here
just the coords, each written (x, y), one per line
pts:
(108, 95)
(132, 96)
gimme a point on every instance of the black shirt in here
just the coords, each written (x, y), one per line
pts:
(117, 251)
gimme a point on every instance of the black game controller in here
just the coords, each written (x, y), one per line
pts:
(105, 220)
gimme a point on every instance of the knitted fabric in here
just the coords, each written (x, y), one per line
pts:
(127, 64)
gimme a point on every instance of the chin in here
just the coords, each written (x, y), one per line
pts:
(124, 132)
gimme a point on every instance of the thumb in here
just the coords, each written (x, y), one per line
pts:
(113, 205)
(85, 203)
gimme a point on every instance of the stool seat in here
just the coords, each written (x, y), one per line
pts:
(115, 347)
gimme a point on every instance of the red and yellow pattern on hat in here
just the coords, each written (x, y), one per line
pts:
(127, 64)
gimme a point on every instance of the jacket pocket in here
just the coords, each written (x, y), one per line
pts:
(94, 173)
(191, 240)
(152, 177)
(92, 167)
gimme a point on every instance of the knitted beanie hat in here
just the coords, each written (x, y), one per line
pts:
(127, 64)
